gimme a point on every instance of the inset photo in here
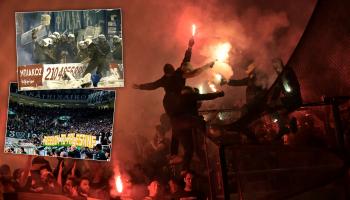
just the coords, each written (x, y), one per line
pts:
(60, 123)
(69, 49)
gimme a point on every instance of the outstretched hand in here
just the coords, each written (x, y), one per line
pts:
(223, 81)
(136, 86)
(191, 42)
(221, 93)
(212, 64)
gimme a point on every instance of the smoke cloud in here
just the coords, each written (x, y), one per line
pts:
(256, 31)
(157, 32)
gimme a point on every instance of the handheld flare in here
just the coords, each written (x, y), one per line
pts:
(119, 184)
(193, 29)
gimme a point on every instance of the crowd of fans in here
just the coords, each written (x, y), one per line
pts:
(29, 124)
(78, 95)
(79, 180)
(46, 120)
(99, 152)
(150, 176)
(154, 175)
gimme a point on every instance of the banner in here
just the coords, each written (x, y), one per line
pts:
(63, 76)
(42, 74)
(71, 139)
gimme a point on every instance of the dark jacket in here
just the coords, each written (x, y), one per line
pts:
(253, 91)
(172, 85)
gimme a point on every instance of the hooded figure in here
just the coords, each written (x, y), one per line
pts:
(254, 92)
(173, 81)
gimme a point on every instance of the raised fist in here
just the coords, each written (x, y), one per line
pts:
(191, 42)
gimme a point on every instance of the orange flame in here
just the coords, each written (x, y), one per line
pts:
(119, 184)
(193, 29)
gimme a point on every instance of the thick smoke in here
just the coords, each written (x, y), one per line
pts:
(256, 31)
(157, 32)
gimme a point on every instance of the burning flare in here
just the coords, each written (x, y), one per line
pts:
(221, 51)
(193, 29)
(119, 184)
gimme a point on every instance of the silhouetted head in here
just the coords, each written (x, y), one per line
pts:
(98, 147)
(277, 64)
(168, 69)
(187, 90)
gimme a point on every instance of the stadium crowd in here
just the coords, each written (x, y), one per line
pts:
(50, 121)
(79, 180)
(28, 125)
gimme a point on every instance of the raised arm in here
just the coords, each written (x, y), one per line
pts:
(241, 82)
(150, 86)
(188, 53)
(24, 178)
(210, 96)
(198, 71)
(59, 176)
(73, 169)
